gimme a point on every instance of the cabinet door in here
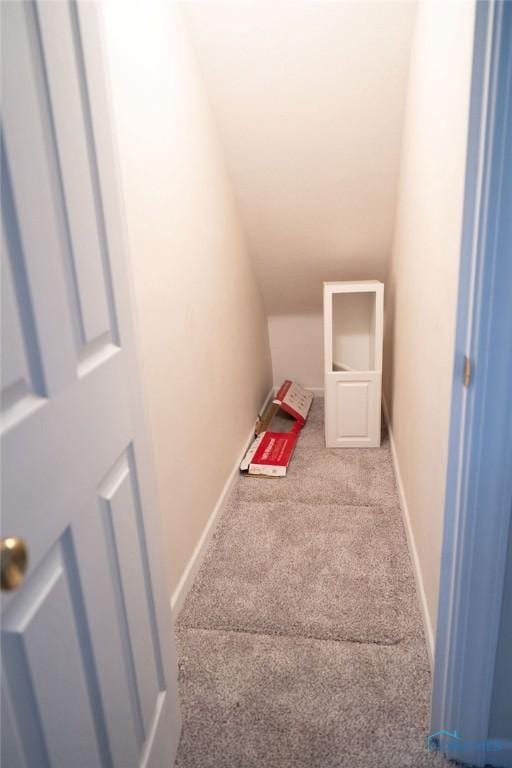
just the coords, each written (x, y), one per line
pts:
(352, 409)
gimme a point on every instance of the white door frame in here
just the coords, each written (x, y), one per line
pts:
(479, 480)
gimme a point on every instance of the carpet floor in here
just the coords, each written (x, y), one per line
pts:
(300, 643)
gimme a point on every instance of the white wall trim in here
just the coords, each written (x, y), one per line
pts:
(413, 552)
(193, 565)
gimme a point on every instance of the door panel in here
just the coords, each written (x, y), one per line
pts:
(352, 409)
(352, 404)
(40, 630)
(33, 215)
(120, 511)
(12, 753)
(75, 150)
(103, 607)
(22, 383)
(89, 671)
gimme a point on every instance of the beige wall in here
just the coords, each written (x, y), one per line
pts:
(422, 282)
(309, 99)
(297, 348)
(203, 332)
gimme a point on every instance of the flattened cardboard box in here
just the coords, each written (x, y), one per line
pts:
(270, 453)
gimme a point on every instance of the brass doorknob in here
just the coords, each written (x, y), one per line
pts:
(13, 562)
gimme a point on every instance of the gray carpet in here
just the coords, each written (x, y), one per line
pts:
(287, 568)
(301, 641)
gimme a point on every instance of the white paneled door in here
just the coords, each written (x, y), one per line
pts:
(88, 662)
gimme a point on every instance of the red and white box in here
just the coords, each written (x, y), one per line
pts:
(295, 400)
(270, 453)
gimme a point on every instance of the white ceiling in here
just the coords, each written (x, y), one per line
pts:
(309, 100)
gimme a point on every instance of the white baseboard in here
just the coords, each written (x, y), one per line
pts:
(413, 552)
(193, 565)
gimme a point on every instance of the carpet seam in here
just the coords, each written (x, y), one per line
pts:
(385, 505)
(184, 627)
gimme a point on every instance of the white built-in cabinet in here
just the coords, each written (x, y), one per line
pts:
(353, 329)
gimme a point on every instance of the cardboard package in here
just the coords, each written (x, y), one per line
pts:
(277, 432)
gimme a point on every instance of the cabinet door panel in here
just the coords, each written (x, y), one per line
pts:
(352, 409)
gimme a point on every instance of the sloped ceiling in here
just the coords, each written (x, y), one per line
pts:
(309, 100)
